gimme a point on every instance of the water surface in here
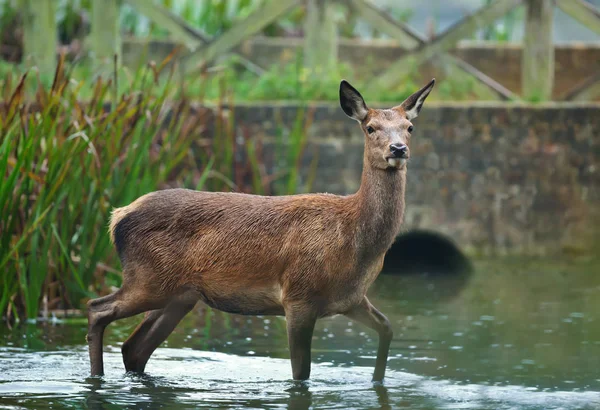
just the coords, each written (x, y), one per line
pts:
(517, 335)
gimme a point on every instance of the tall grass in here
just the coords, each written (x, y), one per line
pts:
(66, 163)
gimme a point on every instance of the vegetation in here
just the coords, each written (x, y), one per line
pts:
(211, 17)
(291, 81)
(216, 16)
(65, 164)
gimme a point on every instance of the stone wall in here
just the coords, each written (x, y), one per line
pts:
(495, 178)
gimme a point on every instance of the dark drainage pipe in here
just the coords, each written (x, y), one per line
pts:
(425, 252)
(428, 265)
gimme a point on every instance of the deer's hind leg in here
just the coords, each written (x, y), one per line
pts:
(123, 303)
(154, 329)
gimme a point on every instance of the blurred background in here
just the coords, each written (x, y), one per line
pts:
(494, 277)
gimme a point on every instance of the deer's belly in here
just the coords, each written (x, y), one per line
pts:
(247, 301)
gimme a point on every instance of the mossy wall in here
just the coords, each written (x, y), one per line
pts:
(497, 178)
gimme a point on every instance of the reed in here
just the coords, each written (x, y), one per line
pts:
(64, 165)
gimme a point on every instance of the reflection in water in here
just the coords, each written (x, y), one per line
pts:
(300, 396)
(93, 398)
(382, 396)
(516, 335)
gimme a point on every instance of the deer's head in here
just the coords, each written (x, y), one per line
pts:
(387, 132)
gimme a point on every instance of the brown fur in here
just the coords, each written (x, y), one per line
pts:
(303, 256)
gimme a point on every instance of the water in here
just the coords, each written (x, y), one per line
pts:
(517, 335)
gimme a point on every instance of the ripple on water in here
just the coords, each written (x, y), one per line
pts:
(183, 377)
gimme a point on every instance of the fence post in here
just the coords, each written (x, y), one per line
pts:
(537, 71)
(40, 37)
(320, 35)
(105, 38)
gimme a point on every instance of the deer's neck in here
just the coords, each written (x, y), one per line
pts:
(381, 208)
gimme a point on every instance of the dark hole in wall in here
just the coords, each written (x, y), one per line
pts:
(425, 252)
(429, 264)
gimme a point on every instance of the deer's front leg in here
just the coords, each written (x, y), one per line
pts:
(300, 326)
(368, 315)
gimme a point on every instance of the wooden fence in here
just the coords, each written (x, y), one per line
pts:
(320, 51)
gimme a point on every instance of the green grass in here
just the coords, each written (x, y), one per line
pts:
(291, 81)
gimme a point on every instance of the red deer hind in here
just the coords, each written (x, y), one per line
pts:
(304, 257)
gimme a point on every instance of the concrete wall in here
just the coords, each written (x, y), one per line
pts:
(496, 178)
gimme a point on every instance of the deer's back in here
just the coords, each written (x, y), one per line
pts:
(284, 245)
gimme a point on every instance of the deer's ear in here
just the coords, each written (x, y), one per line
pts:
(352, 102)
(412, 105)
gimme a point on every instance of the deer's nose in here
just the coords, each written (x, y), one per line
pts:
(399, 150)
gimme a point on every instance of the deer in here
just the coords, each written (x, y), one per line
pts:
(303, 256)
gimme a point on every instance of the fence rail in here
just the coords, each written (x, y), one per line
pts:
(321, 40)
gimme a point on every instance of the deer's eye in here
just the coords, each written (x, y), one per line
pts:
(410, 129)
(370, 129)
